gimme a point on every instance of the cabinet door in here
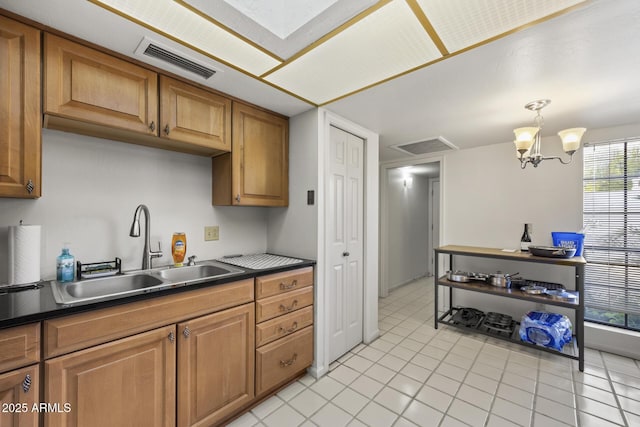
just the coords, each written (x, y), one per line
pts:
(19, 392)
(215, 365)
(84, 84)
(195, 116)
(128, 382)
(260, 158)
(20, 132)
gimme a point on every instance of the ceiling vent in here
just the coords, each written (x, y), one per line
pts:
(427, 146)
(151, 48)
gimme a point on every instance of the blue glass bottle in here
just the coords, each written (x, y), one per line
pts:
(65, 266)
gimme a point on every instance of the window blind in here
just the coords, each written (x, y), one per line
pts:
(612, 224)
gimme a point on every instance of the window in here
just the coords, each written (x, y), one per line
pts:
(612, 240)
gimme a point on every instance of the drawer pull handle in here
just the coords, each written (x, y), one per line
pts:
(293, 327)
(26, 384)
(287, 363)
(290, 308)
(284, 286)
(172, 336)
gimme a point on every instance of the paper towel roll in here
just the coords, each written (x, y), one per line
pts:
(24, 254)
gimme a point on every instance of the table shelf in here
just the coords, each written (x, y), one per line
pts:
(570, 350)
(575, 350)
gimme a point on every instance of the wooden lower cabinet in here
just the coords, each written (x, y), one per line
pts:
(128, 382)
(215, 366)
(19, 392)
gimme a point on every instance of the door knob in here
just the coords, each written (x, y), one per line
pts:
(345, 253)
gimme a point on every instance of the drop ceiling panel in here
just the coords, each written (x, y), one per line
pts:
(168, 17)
(386, 43)
(464, 23)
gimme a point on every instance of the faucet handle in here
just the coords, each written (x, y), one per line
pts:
(158, 253)
(192, 259)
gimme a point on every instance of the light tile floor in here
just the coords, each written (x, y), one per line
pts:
(415, 375)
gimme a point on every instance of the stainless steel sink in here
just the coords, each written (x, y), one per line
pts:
(138, 282)
(197, 272)
(87, 290)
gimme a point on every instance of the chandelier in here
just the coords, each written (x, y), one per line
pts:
(528, 139)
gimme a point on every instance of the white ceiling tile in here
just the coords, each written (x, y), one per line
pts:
(387, 42)
(169, 17)
(464, 23)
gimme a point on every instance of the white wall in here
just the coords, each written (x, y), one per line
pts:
(91, 188)
(294, 230)
(407, 227)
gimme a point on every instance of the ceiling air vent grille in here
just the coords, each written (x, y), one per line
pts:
(427, 146)
(155, 51)
(150, 48)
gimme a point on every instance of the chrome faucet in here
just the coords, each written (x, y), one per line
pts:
(147, 254)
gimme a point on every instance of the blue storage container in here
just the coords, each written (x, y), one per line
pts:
(568, 240)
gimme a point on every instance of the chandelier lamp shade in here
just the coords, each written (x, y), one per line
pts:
(528, 139)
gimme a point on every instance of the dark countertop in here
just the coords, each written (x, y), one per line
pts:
(18, 308)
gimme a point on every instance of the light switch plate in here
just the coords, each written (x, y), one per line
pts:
(211, 232)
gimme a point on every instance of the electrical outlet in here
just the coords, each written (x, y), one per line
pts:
(211, 232)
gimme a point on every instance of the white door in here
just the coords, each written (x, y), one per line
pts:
(345, 228)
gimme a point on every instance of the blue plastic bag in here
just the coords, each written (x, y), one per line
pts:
(550, 330)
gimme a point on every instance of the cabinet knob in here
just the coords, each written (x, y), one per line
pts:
(26, 384)
(152, 126)
(186, 332)
(166, 130)
(238, 198)
(172, 336)
(345, 253)
(30, 186)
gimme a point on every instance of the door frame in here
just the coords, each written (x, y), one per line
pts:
(431, 223)
(384, 213)
(371, 246)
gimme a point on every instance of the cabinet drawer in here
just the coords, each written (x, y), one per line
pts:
(283, 359)
(87, 329)
(282, 326)
(19, 346)
(268, 308)
(286, 281)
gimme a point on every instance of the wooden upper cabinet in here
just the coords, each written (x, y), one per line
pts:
(194, 115)
(87, 85)
(256, 173)
(20, 129)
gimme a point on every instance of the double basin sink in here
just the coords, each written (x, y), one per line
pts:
(138, 282)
